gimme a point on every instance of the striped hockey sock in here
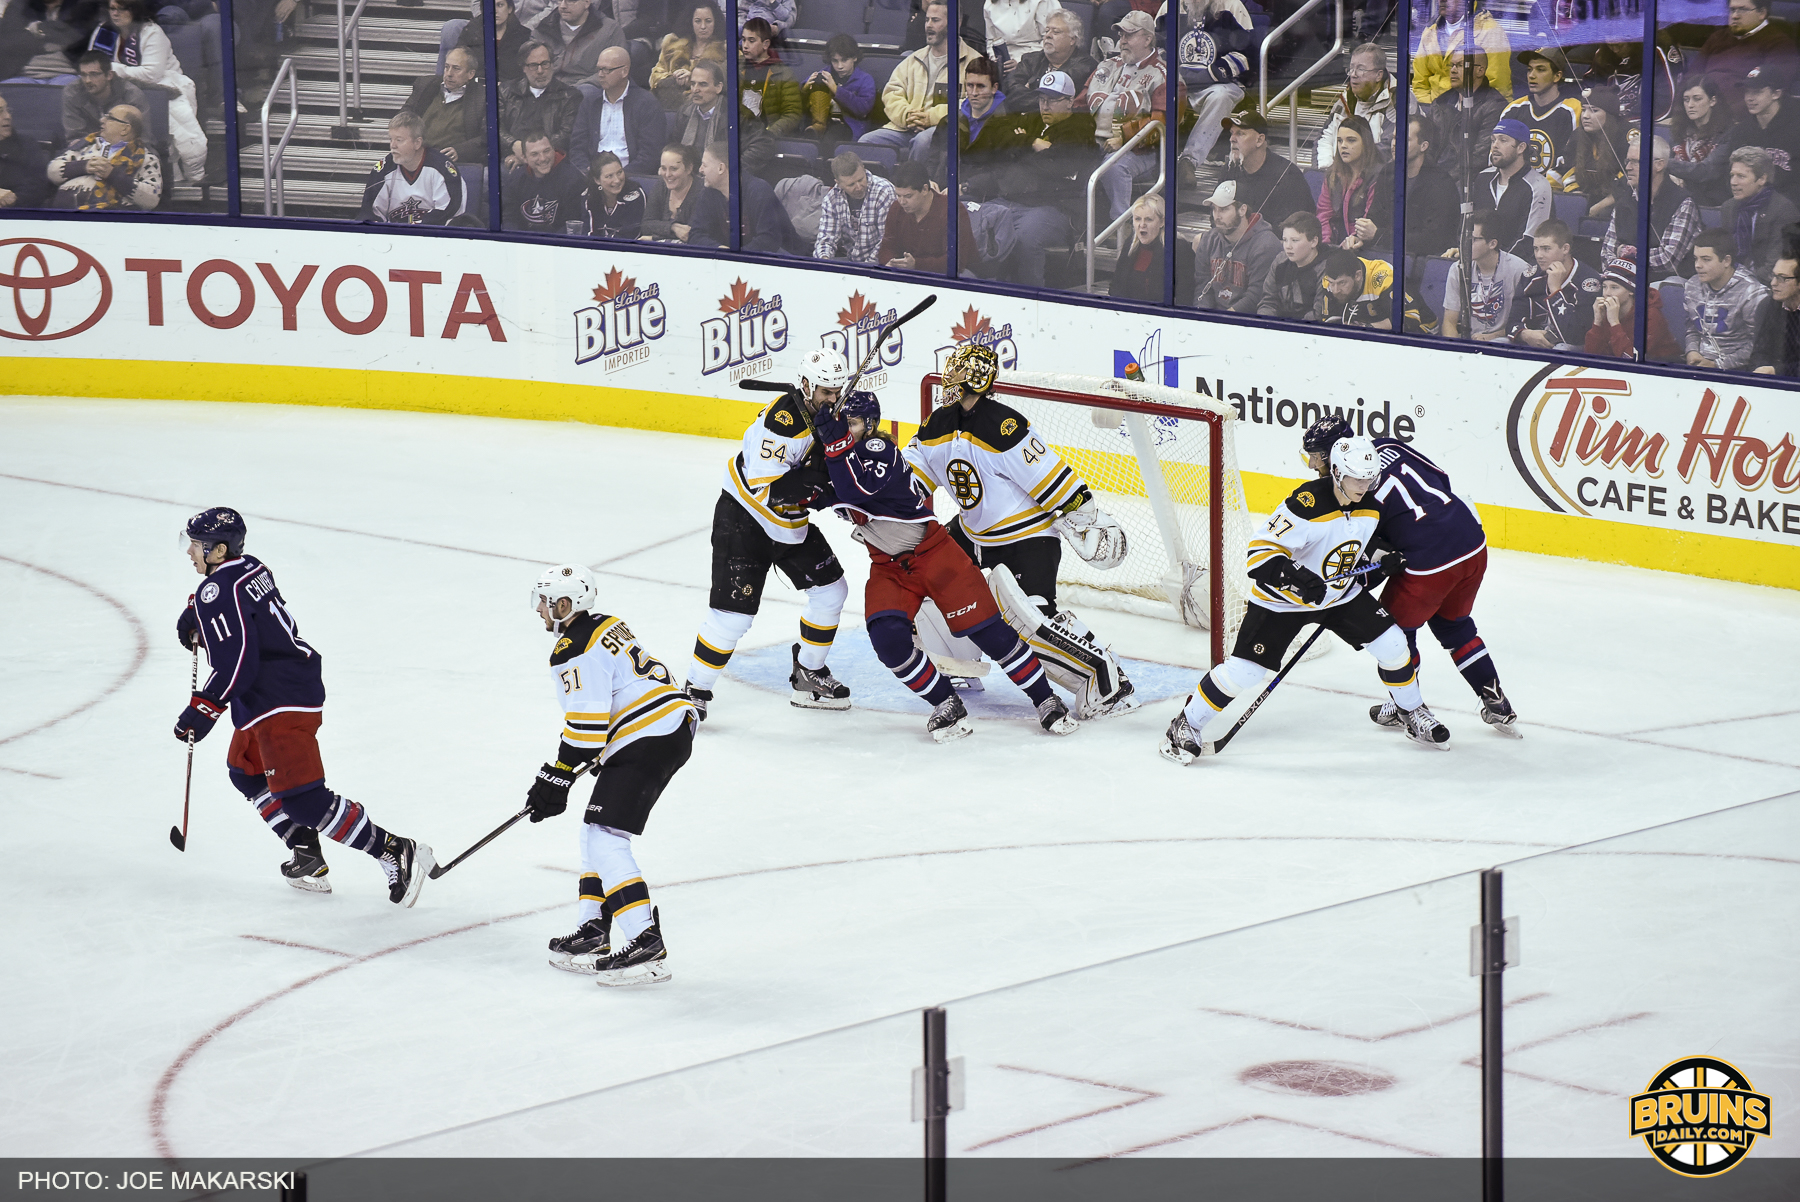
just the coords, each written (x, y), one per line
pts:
(345, 822)
(713, 646)
(819, 622)
(920, 675)
(593, 897)
(1476, 666)
(1018, 661)
(269, 807)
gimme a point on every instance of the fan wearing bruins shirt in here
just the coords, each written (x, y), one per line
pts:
(1299, 570)
(762, 521)
(1016, 495)
(622, 710)
(413, 185)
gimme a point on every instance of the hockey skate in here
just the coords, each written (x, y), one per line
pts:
(579, 952)
(306, 871)
(406, 862)
(1180, 744)
(700, 698)
(949, 721)
(1124, 699)
(1054, 717)
(1387, 714)
(1422, 726)
(1497, 711)
(816, 689)
(643, 961)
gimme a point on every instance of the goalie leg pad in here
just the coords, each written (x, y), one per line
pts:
(1065, 647)
(952, 653)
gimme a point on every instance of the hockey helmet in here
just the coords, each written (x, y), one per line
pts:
(1323, 434)
(569, 580)
(1354, 458)
(863, 406)
(822, 369)
(220, 524)
(973, 366)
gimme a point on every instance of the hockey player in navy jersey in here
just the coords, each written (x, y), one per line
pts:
(270, 678)
(1434, 553)
(915, 558)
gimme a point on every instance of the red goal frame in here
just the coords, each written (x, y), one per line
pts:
(1215, 451)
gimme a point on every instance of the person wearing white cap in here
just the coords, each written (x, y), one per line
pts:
(1128, 90)
(1233, 258)
(1045, 182)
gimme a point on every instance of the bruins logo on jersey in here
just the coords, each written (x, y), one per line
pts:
(784, 417)
(1342, 558)
(562, 645)
(1304, 497)
(964, 483)
(1008, 426)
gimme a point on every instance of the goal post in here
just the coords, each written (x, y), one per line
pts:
(1161, 461)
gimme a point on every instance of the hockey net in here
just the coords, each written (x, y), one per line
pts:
(1164, 463)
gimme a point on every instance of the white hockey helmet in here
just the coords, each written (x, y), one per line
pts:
(1354, 458)
(569, 580)
(823, 368)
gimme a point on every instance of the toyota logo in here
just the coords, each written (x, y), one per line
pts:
(58, 290)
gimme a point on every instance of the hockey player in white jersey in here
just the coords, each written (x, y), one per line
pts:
(621, 708)
(1300, 569)
(1016, 495)
(762, 521)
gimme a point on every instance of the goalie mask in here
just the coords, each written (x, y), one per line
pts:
(972, 367)
(822, 369)
(569, 580)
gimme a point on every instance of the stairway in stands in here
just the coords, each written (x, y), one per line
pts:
(325, 175)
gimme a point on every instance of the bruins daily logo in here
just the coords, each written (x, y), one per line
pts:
(1341, 558)
(1699, 1116)
(784, 417)
(965, 483)
(1008, 427)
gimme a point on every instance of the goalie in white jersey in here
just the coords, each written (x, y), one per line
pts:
(1016, 495)
(622, 709)
(1302, 570)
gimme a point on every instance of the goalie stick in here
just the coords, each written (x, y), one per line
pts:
(438, 870)
(178, 834)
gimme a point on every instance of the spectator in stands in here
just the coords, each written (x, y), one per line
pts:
(769, 89)
(1139, 273)
(703, 42)
(577, 33)
(776, 14)
(1749, 40)
(766, 226)
(1356, 205)
(413, 184)
(543, 194)
(1233, 258)
(1433, 202)
(95, 92)
(1674, 217)
(1495, 281)
(1772, 122)
(854, 216)
(145, 58)
(1756, 214)
(537, 100)
(1468, 108)
(1552, 117)
(840, 100)
(615, 205)
(1615, 315)
(1127, 92)
(1722, 302)
(1700, 141)
(986, 132)
(1292, 288)
(1062, 51)
(1215, 49)
(1598, 162)
(510, 37)
(1513, 188)
(1431, 64)
(1354, 291)
(1554, 307)
(1016, 28)
(1040, 186)
(1368, 94)
(622, 118)
(917, 96)
(1269, 184)
(703, 120)
(914, 235)
(40, 38)
(24, 182)
(453, 107)
(112, 169)
(680, 208)
(1777, 348)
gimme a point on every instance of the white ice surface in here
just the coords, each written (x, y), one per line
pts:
(814, 870)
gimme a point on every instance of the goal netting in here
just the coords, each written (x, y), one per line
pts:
(1152, 455)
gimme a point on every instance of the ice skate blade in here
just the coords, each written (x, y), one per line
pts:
(582, 965)
(1176, 755)
(967, 684)
(962, 728)
(423, 863)
(1062, 727)
(1509, 729)
(654, 972)
(802, 700)
(309, 884)
(1444, 746)
(1123, 706)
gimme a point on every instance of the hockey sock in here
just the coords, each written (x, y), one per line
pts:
(891, 636)
(1470, 655)
(591, 896)
(1000, 644)
(336, 817)
(606, 853)
(269, 808)
(718, 638)
(819, 622)
(1218, 687)
(1399, 668)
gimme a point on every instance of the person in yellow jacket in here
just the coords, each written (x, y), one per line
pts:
(1449, 33)
(917, 96)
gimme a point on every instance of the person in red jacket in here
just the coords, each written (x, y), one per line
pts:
(1615, 316)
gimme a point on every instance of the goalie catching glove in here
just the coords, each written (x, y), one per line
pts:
(1093, 534)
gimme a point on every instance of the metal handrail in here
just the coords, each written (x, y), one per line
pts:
(1162, 171)
(274, 173)
(349, 68)
(1264, 102)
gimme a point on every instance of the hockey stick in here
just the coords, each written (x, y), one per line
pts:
(178, 834)
(875, 345)
(438, 870)
(1219, 745)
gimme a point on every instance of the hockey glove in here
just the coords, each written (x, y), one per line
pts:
(1390, 562)
(834, 434)
(187, 627)
(1306, 584)
(197, 719)
(549, 794)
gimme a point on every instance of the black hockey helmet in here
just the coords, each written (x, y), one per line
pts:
(1323, 434)
(217, 525)
(864, 406)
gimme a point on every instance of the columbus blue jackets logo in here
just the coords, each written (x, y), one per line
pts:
(209, 592)
(742, 341)
(621, 323)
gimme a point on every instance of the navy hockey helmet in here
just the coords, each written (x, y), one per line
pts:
(865, 407)
(219, 524)
(1323, 434)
